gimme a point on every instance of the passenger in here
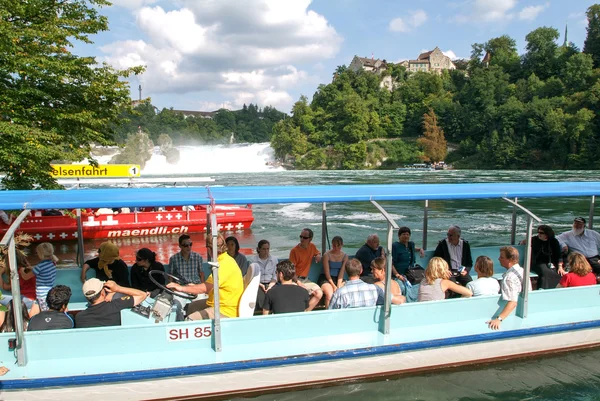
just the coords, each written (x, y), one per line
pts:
(512, 282)
(145, 262)
(287, 297)
(379, 273)
(231, 286)
(268, 271)
(56, 317)
(485, 283)
(107, 265)
(436, 282)
(104, 211)
(580, 272)
(302, 256)
(366, 254)
(8, 318)
(356, 293)
(45, 272)
(105, 302)
(545, 257)
(187, 265)
(334, 268)
(233, 249)
(403, 253)
(27, 284)
(457, 254)
(586, 242)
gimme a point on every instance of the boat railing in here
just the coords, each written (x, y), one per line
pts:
(8, 241)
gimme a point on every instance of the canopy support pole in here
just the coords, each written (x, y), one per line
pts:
(425, 224)
(324, 229)
(9, 241)
(513, 230)
(80, 248)
(591, 214)
(215, 273)
(522, 306)
(387, 304)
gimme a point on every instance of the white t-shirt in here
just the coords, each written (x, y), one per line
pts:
(484, 286)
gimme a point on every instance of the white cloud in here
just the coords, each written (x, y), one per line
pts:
(480, 11)
(451, 54)
(132, 4)
(245, 52)
(415, 19)
(530, 13)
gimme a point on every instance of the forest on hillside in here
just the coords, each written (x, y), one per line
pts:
(537, 110)
(249, 124)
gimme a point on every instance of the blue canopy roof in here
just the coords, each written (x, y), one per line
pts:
(131, 197)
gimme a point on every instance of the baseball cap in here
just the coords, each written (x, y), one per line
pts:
(579, 220)
(92, 287)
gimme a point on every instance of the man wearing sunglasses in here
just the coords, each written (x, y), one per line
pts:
(302, 256)
(187, 265)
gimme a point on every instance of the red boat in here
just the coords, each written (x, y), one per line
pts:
(173, 220)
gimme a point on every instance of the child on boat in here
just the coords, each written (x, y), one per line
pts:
(485, 283)
(45, 273)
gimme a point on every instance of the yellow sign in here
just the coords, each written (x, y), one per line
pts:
(102, 171)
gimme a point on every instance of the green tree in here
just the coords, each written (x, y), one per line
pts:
(591, 45)
(541, 54)
(137, 150)
(47, 91)
(433, 140)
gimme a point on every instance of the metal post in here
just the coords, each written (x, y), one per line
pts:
(425, 223)
(591, 215)
(324, 230)
(9, 241)
(524, 295)
(135, 214)
(80, 256)
(386, 311)
(523, 305)
(387, 304)
(513, 230)
(215, 273)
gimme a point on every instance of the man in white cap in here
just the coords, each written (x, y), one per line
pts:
(104, 309)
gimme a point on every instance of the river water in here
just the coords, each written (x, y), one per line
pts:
(572, 376)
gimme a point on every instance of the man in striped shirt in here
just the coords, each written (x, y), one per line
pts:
(356, 293)
(457, 253)
(511, 286)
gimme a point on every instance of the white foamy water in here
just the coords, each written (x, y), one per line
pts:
(202, 159)
(236, 158)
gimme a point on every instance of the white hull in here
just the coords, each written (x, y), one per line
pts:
(312, 374)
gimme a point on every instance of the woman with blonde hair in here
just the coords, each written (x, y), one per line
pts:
(580, 272)
(436, 283)
(378, 267)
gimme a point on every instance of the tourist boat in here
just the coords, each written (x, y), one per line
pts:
(170, 220)
(147, 360)
(416, 167)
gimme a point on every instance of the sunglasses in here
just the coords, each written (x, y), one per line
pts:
(541, 232)
(137, 259)
(186, 245)
(302, 237)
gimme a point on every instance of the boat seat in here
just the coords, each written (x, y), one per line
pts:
(248, 298)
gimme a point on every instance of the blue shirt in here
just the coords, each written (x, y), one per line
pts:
(402, 257)
(586, 244)
(355, 294)
(45, 278)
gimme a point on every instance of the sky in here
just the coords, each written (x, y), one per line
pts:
(206, 54)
